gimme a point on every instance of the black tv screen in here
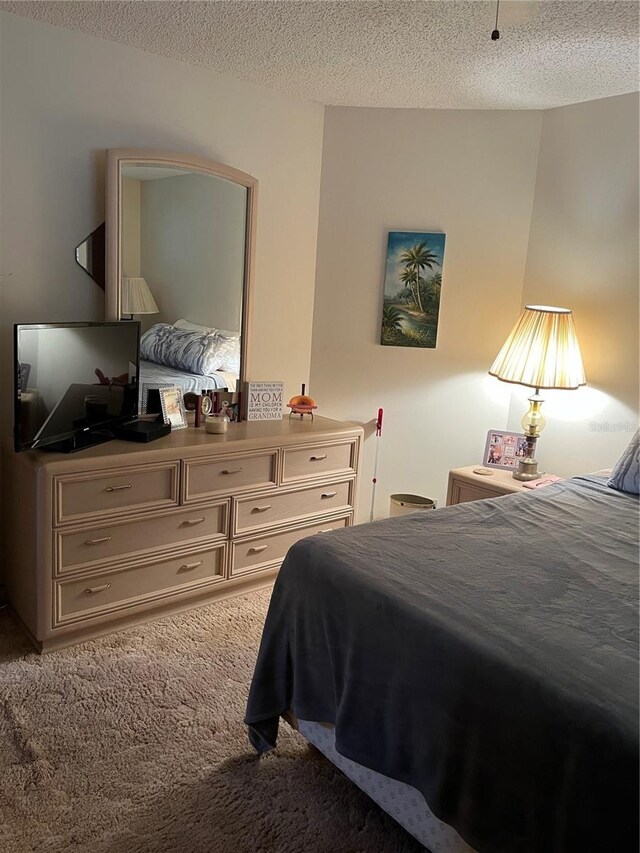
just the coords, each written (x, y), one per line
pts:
(73, 382)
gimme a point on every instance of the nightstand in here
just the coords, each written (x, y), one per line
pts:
(465, 485)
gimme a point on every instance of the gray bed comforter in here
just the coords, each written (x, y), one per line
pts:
(486, 654)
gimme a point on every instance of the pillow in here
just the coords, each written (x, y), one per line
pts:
(228, 351)
(188, 326)
(625, 476)
(192, 351)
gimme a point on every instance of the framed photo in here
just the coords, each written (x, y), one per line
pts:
(504, 449)
(173, 411)
(150, 397)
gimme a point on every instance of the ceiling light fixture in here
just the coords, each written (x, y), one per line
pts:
(495, 35)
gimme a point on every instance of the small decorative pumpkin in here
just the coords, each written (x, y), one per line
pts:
(302, 405)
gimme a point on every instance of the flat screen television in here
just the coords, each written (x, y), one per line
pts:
(74, 382)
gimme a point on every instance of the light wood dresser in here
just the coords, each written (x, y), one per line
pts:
(124, 532)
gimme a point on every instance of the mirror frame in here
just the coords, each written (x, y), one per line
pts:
(119, 157)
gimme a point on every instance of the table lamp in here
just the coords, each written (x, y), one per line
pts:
(541, 352)
(136, 298)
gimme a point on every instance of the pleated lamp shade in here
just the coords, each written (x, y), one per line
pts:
(136, 298)
(542, 350)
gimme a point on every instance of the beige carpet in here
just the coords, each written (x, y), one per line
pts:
(134, 743)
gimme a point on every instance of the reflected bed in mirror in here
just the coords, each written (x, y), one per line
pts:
(180, 232)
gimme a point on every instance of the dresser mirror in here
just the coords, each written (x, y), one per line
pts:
(180, 240)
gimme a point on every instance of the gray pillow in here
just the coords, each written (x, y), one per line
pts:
(625, 477)
(183, 349)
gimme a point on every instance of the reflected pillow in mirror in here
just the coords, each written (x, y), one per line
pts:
(188, 326)
(191, 351)
(625, 476)
(228, 351)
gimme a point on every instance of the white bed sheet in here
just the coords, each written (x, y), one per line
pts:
(404, 803)
(157, 374)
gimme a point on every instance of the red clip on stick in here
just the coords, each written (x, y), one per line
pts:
(375, 464)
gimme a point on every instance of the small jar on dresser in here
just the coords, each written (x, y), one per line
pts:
(122, 532)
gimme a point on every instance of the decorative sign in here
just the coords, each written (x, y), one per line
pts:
(264, 400)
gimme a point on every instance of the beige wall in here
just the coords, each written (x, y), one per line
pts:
(472, 175)
(193, 245)
(66, 97)
(583, 254)
(130, 213)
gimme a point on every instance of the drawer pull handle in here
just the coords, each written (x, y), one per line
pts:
(328, 494)
(118, 488)
(317, 458)
(263, 508)
(97, 541)
(189, 522)
(257, 549)
(91, 590)
(231, 471)
(189, 567)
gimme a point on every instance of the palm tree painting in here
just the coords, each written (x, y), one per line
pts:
(412, 287)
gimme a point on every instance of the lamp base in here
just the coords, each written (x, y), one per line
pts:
(527, 470)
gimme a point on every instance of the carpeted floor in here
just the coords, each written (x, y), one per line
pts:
(134, 743)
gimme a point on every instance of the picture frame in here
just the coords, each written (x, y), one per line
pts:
(412, 288)
(173, 411)
(504, 449)
(228, 402)
(150, 397)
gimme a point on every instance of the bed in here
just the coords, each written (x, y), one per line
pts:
(157, 375)
(192, 357)
(484, 656)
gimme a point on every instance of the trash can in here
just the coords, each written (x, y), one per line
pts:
(404, 504)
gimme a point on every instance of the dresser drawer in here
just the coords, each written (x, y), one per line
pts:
(463, 492)
(304, 463)
(267, 551)
(123, 490)
(94, 546)
(111, 592)
(260, 511)
(210, 478)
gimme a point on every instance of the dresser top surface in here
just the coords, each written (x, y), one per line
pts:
(494, 478)
(244, 436)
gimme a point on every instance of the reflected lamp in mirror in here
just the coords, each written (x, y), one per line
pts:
(136, 298)
(542, 352)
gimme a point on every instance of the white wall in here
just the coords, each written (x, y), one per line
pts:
(193, 245)
(583, 254)
(130, 214)
(66, 97)
(472, 175)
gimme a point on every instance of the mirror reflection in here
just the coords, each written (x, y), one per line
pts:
(182, 273)
(90, 255)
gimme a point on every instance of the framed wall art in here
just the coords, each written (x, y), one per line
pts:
(412, 286)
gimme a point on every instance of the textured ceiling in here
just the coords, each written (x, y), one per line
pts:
(383, 54)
